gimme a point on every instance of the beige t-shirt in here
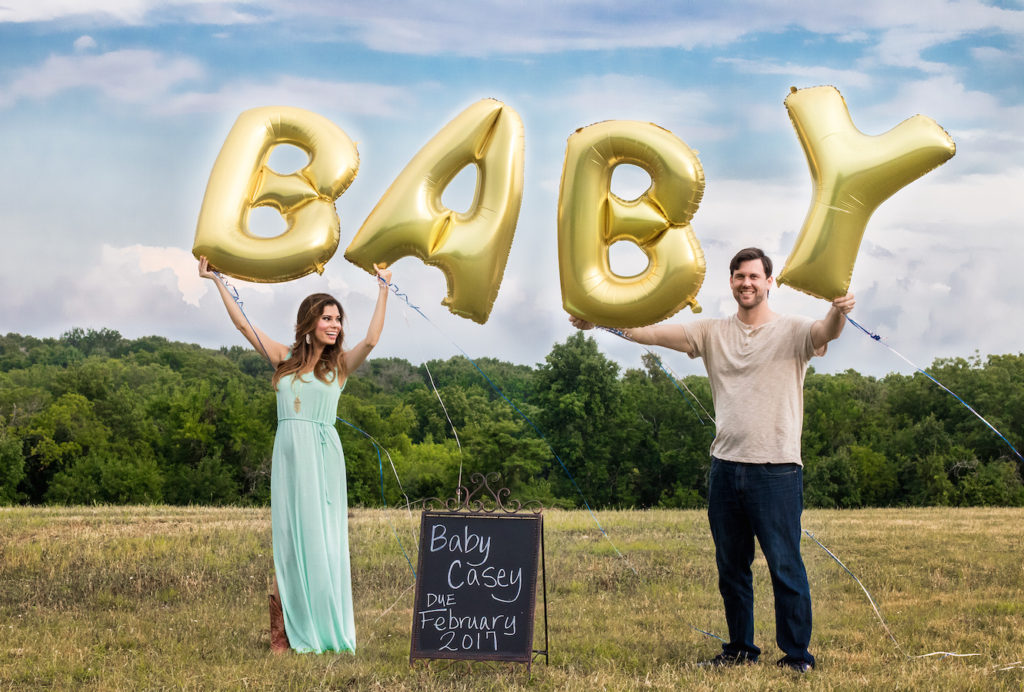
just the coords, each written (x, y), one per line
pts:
(757, 383)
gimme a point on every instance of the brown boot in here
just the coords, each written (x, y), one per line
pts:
(278, 637)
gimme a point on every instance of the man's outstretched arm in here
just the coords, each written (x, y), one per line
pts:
(668, 335)
(831, 326)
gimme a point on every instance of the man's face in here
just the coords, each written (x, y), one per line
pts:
(749, 284)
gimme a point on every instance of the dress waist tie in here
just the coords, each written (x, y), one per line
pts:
(321, 431)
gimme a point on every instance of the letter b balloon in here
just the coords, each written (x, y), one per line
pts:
(591, 218)
(241, 180)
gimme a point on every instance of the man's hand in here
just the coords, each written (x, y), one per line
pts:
(844, 304)
(824, 331)
(580, 323)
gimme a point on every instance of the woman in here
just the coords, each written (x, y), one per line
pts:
(309, 504)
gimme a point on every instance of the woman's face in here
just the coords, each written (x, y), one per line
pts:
(328, 327)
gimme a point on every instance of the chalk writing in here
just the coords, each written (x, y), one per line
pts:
(475, 587)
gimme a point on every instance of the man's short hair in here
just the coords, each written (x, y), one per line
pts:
(751, 253)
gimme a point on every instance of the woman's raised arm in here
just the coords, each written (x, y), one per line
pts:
(275, 352)
(358, 353)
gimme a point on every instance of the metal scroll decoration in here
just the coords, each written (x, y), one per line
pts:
(482, 499)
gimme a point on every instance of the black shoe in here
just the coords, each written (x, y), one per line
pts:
(794, 665)
(723, 659)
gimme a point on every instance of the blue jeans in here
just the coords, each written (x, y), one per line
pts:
(762, 500)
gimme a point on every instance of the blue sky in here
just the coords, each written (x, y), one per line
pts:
(114, 112)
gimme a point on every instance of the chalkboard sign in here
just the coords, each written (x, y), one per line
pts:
(476, 586)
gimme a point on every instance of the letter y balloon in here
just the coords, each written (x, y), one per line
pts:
(853, 174)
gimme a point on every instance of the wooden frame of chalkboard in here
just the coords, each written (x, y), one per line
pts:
(476, 583)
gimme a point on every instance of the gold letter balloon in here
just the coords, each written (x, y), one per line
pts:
(853, 174)
(470, 248)
(241, 180)
(591, 218)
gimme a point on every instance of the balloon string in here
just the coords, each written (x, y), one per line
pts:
(458, 491)
(233, 292)
(878, 612)
(673, 378)
(433, 386)
(879, 339)
(404, 297)
(380, 467)
(379, 447)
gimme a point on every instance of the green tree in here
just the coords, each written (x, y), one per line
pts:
(107, 478)
(876, 475)
(505, 444)
(12, 466)
(671, 450)
(831, 481)
(64, 432)
(582, 414)
(994, 483)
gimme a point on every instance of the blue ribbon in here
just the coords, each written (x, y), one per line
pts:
(878, 338)
(671, 376)
(380, 468)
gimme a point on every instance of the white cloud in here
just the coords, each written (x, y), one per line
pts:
(638, 97)
(987, 132)
(496, 27)
(904, 47)
(988, 54)
(84, 44)
(801, 74)
(854, 37)
(154, 259)
(154, 80)
(357, 98)
(127, 12)
(943, 98)
(129, 76)
(502, 26)
(119, 11)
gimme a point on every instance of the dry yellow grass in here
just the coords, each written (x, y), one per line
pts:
(175, 598)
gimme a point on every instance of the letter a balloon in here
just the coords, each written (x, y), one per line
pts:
(470, 248)
(853, 174)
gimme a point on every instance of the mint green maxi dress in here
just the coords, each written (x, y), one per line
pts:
(309, 517)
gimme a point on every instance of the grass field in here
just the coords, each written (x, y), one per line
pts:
(169, 597)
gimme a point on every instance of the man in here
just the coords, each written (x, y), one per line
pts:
(756, 362)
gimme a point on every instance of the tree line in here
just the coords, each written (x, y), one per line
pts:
(93, 417)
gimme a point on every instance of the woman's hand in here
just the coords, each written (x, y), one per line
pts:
(384, 274)
(205, 272)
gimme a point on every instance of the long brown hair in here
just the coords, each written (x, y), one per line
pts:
(331, 363)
